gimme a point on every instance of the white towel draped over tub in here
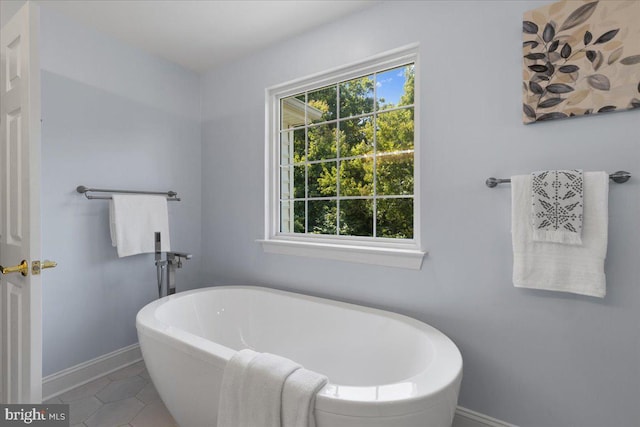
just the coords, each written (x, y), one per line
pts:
(299, 398)
(552, 266)
(134, 220)
(266, 390)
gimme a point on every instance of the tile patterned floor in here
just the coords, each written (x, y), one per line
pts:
(124, 398)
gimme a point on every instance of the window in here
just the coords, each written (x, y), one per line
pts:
(341, 163)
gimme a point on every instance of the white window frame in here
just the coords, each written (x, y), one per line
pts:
(405, 253)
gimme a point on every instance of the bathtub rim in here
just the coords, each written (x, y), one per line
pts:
(442, 374)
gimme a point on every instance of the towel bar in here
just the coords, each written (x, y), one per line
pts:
(617, 177)
(172, 196)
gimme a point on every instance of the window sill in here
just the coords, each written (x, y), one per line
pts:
(390, 257)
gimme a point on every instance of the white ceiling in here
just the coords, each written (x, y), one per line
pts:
(203, 34)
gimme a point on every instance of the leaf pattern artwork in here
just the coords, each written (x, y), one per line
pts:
(579, 15)
(580, 57)
(599, 81)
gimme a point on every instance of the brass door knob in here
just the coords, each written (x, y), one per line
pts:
(22, 268)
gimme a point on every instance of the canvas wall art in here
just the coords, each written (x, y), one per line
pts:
(580, 57)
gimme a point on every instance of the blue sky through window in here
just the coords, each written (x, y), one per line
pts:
(390, 86)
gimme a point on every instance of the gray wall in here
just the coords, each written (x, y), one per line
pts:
(112, 117)
(533, 358)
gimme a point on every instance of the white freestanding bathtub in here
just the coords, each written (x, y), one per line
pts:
(384, 369)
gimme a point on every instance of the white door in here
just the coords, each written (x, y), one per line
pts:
(20, 296)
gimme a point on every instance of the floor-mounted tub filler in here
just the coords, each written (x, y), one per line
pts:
(384, 369)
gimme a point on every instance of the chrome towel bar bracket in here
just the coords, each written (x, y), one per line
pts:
(172, 196)
(619, 177)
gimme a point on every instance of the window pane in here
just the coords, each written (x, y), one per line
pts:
(292, 111)
(286, 183)
(298, 181)
(292, 147)
(356, 217)
(286, 217)
(356, 97)
(356, 137)
(322, 179)
(322, 142)
(292, 216)
(321, 105)
(356, 177)
(395, 87)
(322, 216)
(394, 218)
(394, 131)
(394, 174)
(299, 216)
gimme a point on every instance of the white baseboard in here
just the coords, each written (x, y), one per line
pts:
(468, 418)
(75, 376)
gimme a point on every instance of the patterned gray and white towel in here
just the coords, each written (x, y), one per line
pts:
(557, 206)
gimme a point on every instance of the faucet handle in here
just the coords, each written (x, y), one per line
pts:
(180, 255)
(175, 258)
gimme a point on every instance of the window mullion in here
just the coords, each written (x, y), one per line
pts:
(306, 163)
(375, 157)
(338, 159)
